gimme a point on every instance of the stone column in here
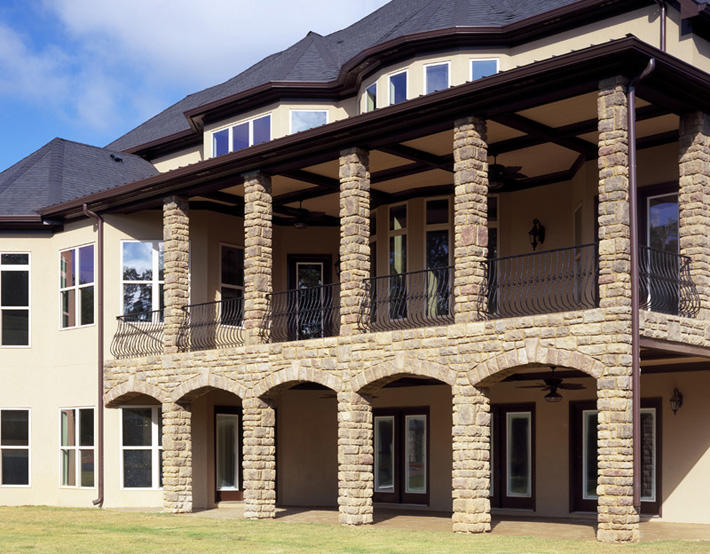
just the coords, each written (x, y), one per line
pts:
(471, 472)
(176, 237)
(470, 216)
(617, 517)
(355, 459)
(177, 458)
(259, 459)
(257, 253)
(354, 236)
(694, 202)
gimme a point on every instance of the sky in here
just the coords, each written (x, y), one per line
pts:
(91, 70)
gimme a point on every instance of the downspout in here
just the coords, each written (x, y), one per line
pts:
(100, 328)
(662, 7)
(634, 233)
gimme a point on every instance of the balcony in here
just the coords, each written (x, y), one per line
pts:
(138, 334)
(665, 284)
(303, 313)
(212, 325)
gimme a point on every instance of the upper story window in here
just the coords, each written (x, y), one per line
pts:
(371, 97)
(245, 134)
(232, 271)
(302, 120)
(436, 77)
(398, 87)
(76, 286)
(142, 276)
(14, 299)
(483, 68)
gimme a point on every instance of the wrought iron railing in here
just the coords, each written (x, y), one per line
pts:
(543, 282)
(406, 300)
(212, 325)
(138, 334)
(304, 313)
(665, 284)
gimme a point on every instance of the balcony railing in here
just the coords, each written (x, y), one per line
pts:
(543, 282)
(304, 313)
(138, 334)
(406, 300)
(212, 325)
(665, 284)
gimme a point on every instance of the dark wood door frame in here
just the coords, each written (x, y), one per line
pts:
(229, 495)
(293, 259)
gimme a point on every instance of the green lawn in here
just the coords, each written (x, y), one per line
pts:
(88, 530)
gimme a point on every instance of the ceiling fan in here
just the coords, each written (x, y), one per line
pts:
(300, 216)
(500, 175)
(552, 384)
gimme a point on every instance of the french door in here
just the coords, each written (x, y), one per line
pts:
(401, 438)
(228, 453)
(309, 299)
(584, 462)
(513, 456)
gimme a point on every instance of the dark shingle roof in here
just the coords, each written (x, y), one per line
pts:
(63, 170)
(319, 59)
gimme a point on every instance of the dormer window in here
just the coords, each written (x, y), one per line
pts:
(245, 134)
(436, 77)
(398, 88)
(483, 68)
(302, 120)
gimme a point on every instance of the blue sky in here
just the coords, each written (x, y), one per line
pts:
(90, 70)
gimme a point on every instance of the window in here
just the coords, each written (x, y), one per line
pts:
(371, 97)
(398, 88)
(513, 456)
(483, 68)
(398, 262)
(14, 299)
(232, 284)
(302, 120)
(15, 447)
(77, 447)
(142, 277)
(243, 135)
(438, 283)
(142, 447)
(518, 458)
(76, 286)
(436, 77)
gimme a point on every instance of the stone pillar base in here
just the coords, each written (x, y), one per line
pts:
(177, 458)
(259, 459)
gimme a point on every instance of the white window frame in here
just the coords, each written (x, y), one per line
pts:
(508, 418)
(471, 61)
(292, 111)
(378, 440)
(77, 448)
(407, 418)
(389, 86)
(437, 227)
(236, 453)
(155, 447)
(367, 88)
(28, 448)
(76, 287)
(397, 232)
(155, 282)
(28, 269)
(585, 432)
(230, 134)
(425, 77)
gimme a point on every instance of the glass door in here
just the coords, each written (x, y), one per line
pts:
(310, 301)
(660, 262)
(227, 456)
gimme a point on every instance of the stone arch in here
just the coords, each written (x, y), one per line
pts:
(208, 380)
(297, 373)
(131, 388)
(399, 366)
(501, 365)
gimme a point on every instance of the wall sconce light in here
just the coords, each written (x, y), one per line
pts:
(676, 400)
(537, 233)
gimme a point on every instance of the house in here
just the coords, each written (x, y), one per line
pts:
(455, 256)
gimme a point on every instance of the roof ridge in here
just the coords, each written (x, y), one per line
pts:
(56, 170)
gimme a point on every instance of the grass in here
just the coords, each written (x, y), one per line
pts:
(42, 529)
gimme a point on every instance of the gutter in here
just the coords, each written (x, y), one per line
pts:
(100, 367)
(633, 235)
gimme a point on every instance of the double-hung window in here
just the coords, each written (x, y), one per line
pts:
(483, 68)
(398, 87)
(142, 447)
(240, 136)
(77, 447)
(14, 299)
(76, 286)
(142, 278)
(302, 120)
(436, 77)
(14, 447)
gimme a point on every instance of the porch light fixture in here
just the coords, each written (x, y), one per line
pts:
(553, 396)
(676, 400)
(537, 233)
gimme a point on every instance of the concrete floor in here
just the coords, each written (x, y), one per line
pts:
(581, 528)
